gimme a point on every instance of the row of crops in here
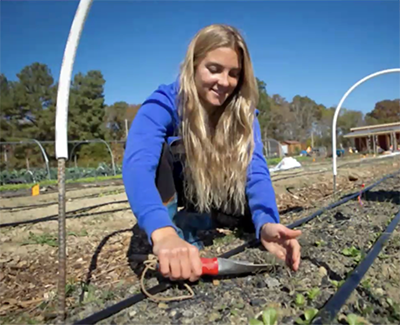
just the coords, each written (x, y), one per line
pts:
(24, 176)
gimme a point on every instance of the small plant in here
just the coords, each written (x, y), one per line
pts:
(309, 314)
(82, 233)
(366, 284)
(43, 239)
(313, 293)
(300, 300)
(269, 317)
(319, 243)
(394, 309)
(353, 252)
(353, 319)
(337, 284)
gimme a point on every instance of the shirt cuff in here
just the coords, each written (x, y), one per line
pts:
(150, 224)
(260, 219)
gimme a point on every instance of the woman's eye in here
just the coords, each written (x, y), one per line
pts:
(234, 74)
(213, 69)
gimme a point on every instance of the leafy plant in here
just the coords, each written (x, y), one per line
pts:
(313, 293)
(300, 300)
(309, 314)
(269, 317)
(353, 319)
(337, 284)
(394, 309)
(353, 252)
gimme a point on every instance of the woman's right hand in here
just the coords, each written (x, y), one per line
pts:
(178, 260)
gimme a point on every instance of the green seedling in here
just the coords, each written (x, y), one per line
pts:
(313, 293)
(337, 284)
(366, 284)
(320, 243)
(269, 317)
(300, 300)
(353, 252)
(309, 314)
(394, 309)
(353, 319)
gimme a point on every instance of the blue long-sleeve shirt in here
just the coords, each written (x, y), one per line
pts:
(155, 123)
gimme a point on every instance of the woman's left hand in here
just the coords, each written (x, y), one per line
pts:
(281, 241)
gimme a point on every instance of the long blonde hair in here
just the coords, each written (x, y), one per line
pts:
(216, 160)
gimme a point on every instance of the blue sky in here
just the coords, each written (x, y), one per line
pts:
(310, 48)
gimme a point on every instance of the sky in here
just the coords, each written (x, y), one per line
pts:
(317, 49)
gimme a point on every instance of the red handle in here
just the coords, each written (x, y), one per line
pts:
(210, 266)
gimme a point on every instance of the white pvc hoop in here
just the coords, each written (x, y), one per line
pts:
(335, 117)
(65, 78)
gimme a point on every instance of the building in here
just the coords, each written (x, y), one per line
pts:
(290, 147)
(372, 137)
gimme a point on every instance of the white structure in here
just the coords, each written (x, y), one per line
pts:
(335, 117)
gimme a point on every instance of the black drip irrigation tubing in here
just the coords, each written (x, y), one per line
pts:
(112, 310)
(328, 313)
(55, 216)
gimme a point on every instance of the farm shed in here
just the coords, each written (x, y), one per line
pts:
(369, 138)
(291, 147)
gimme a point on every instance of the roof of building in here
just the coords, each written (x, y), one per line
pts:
(290, 142)
(376, 126)
(373, 130)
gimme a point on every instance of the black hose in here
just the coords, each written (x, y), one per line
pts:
(328, 313)
(55, 216)
(112, 310)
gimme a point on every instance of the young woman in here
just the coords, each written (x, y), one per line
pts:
(196, 144)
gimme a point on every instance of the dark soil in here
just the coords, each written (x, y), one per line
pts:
(332, 246)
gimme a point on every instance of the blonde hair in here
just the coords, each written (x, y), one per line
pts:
(216, 160)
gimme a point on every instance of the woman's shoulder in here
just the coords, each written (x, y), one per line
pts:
(164, 94)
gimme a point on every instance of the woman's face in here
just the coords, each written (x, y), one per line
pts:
(217, 76)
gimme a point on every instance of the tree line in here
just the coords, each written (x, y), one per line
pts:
(28, 107)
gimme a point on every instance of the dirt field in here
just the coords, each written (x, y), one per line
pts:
(100, 241)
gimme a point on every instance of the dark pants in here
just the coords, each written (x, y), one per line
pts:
(169, 182)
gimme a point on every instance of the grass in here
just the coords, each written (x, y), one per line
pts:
(14, 187)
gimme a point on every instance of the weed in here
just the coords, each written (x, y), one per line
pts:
(81, 233)
(43, 239)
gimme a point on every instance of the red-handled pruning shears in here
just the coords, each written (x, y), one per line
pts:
(220, 266)
(223, 266)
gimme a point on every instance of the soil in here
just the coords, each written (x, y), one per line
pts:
(101, 240)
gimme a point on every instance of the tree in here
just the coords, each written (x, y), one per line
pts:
(306, 112)
(263, 107)
(32, 95)
(115, 120)
(87, 108)
(7, 108)
(385, 111)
